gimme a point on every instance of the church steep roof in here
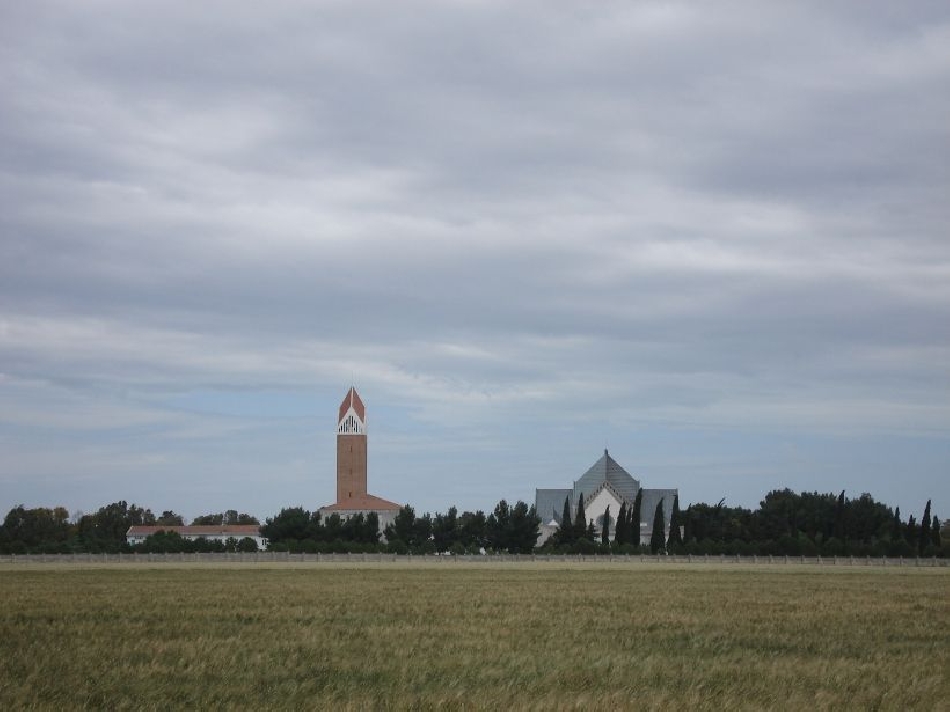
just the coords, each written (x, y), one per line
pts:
(353, 399)
(606, 469)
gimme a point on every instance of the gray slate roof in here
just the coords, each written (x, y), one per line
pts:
(606, 469)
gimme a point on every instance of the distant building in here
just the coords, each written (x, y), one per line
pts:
(352, 497)
(605, 484)
(209, 532)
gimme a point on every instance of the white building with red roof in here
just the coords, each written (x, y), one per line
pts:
(209, 532)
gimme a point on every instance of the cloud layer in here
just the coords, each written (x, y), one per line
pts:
(522, 231)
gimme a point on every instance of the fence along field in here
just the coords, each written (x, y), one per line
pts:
(379, 557)
(474, 635)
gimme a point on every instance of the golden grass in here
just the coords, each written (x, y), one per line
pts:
(567, 636)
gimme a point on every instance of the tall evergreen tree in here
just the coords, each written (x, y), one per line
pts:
(839, 530)
(935, 532)
(566, 523)
(565, 533)
(897, 530)
(636, 516)
(911, 531)
(591, 534)
(676, 536)
(605, 530)
(580, 521)
(658, 540)
(620, 531)
(924, 529)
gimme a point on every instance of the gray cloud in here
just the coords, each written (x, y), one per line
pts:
(660, 216)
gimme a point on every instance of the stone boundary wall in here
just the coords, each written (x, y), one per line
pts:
(284, 557)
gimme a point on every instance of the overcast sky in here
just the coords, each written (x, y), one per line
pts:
(712, 237)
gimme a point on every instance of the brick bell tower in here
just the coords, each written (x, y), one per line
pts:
(351, 450)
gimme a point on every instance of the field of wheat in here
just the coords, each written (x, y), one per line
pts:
(474, 636)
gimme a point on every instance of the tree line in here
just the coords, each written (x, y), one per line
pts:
(809, 524)
(43, 530)
(785, 522)
(508, 528)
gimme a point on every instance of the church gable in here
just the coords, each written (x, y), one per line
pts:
(603, 497)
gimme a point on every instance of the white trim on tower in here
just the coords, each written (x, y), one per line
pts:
(351, 424)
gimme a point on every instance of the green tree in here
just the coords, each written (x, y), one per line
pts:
(676, 536)
(170, 519)
(423, 531)
(839, 530)
(499, 522)
(371, 531)
(620, 531)
(566, 533)
(293, 523)
(605, 529)
(231, 516)
(403, 526)
(636, 516)
(162, 542)
(935, 532)
(39, 528)
(658, 539)
(445, 530)
(473, 528)
(925, 538)
(106, 529)
(523, 528)
(580, 520)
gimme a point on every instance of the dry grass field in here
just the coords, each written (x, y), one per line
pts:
(473, 636)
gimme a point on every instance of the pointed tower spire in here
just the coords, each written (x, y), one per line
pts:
(352, 419)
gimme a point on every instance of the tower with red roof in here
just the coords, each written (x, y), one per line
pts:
(352, 496)
(351, 448)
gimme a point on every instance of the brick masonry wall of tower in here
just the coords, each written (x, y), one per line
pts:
(350, 466)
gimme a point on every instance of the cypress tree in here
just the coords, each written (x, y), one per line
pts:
(839, 518)
(658, 539)
(924, 529)
(620, 531)
(632, 533)
(605, 530)
(896, 532)
(676, 538)
(591, 534)
(636, 516)
(566, 531)
(580, 521)
(935, 532)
